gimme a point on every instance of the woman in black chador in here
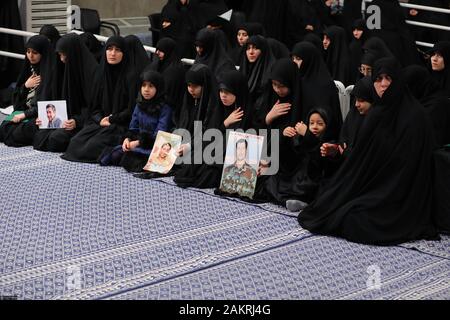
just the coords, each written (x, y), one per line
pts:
(79, 68)
(337, 55)
(167, 62)
(211, 52)
(317, 87)
(114, 96)
(437, 105)
(440, 65)
(37, 82)
(382, 194)
(256, 65)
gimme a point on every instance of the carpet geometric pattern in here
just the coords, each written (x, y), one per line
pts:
(81, 231)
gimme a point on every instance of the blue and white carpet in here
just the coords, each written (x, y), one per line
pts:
(80, 231)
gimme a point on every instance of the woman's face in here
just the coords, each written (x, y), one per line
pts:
(326, 42)
(199, 50)
(195, 90)
(242, 37)
(228, 99)
(381, 84)
(316, 124)
(160, 55)
(298, 61)
(33, 56)
(148, 90)
(357, 34)
(253, 53)
(114, 55)
(365, 69)
(62, 57)
(437, 62)
(362, 106)
(280, 89)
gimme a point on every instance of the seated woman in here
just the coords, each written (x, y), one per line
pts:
(37, 82)
(150, 116)
(114, 96)
(79, 68)
(382, 193)
(440, 65)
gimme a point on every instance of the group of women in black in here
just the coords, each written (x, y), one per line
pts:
(367, 179)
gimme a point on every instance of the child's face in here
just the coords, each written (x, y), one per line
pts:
(148, 90)
(195, 90)
(316, 124)
(280, 89)
(362, 106)
(227, 98)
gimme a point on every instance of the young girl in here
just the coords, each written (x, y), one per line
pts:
(298, 186)
(150, 115)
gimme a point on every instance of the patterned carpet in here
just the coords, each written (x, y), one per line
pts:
(79, 231)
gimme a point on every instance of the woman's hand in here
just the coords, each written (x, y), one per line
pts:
(105, 122)
(278, 110)
(69, 125)
(329, 150)
(18, 118)
(233, 118)
(33, 81)
(38, 122)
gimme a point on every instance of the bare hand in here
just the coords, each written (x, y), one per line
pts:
(18, 118)
(233, 118)
(69, 125)
(309, 27)
(134, 145)
(278, 110)
(289, 132)
(329, 150)
(105, 122)
(33, 81)
(301, 128)
(126, 145)
(263, 167)
(38, 122)
(166, 24)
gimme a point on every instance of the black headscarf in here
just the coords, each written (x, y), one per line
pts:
(252, 29)
(200, 110)
(278, 48)
(214, 54)
(173, 72)
(337, 54)
(138, 57)
(258, 72)
(317, 87)
(79, 70)
(382, 194)
(115, 87)
(185, 22)
(46, 68)
(93, 44)
(364, 90)
(355, 48)
(437, 105)
(314, 39)
(395, 32)
(443, 77)
(234, 82)
(377, 47)
(51, 33)
(153, 106)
